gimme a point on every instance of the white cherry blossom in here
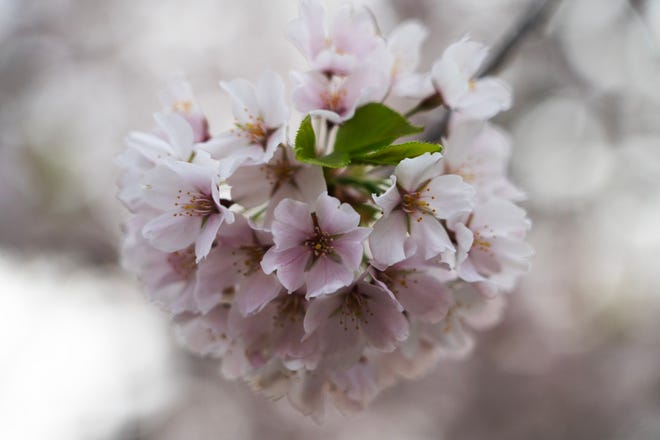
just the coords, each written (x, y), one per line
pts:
(413, 207)
(491, 250)
(187, 195)
(454, 76)
(261, 115)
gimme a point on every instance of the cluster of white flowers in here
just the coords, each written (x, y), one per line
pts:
(328, 262)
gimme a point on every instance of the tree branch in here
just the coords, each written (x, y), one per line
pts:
(537, 14)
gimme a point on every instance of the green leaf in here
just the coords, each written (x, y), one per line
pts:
(394, 154)
(305, 148)
(372, 127)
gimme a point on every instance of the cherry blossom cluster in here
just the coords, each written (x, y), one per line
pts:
(325, 262)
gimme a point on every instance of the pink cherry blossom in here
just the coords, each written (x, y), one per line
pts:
(454, 76)
(261, 115)
(404, 52)
(470, 310)
(354, 317)
(413, 207)
(350, 38)
(336, 98)
(356, 387)
(281, 178)
(206, 334)
(168, 279)
(187, 195)
(319, 245)
(277, 330)
(234, 267)
(419, 287)
(173, 139)
(178, 97)
(491, 249)
(479, 153)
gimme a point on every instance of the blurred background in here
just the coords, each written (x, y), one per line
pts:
(83, 356)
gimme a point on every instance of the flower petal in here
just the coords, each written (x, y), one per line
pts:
(335, 217)
(411, 173)
(244, 103)
(207, 235)
(272, 102)
(256, 292)
(390, 199)
(290, 265)
(327, 276)
(179, 133)
(387, 241)
(169, 232)
(430, 236)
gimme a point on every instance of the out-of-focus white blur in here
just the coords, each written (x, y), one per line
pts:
(84, 356)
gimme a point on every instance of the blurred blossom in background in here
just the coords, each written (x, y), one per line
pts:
(85, 357)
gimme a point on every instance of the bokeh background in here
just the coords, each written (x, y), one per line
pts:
(82, 354)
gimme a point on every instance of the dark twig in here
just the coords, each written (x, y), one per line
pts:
(637, 9)
(537, 14)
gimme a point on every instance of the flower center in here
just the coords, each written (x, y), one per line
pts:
(353, 310)
(281, 172)
(194, 204)
(467, 170)
(412, 203)
(183, 262)
(290, 309)
(252, 262)
(334, 99)
(255, 131)
(397, 278)
(481, 244)
(182, 107)
(321, 242)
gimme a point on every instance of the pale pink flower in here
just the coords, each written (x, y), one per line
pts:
(205, 334)
(234, 266)
(336, 98)
(261, 115)
(187, 195)
(420, 288)
(491, 250)
(169, 279)
(344, 45)
(354, 388)
(174, 139)
(454, 76)
(404, 52)
(470, 310)
(272, 380)
(281, 178)
(415, 357)
(319, 246)
(358, 316)
(307, 393)
(413, 207)
(278, 331)
(178, 97)
(479, 153)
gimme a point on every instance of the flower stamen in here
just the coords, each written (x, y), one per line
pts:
(183, 262)
(321, 242)
(194, 204)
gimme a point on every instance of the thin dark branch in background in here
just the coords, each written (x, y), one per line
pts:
(536, 15)
(637, 7)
